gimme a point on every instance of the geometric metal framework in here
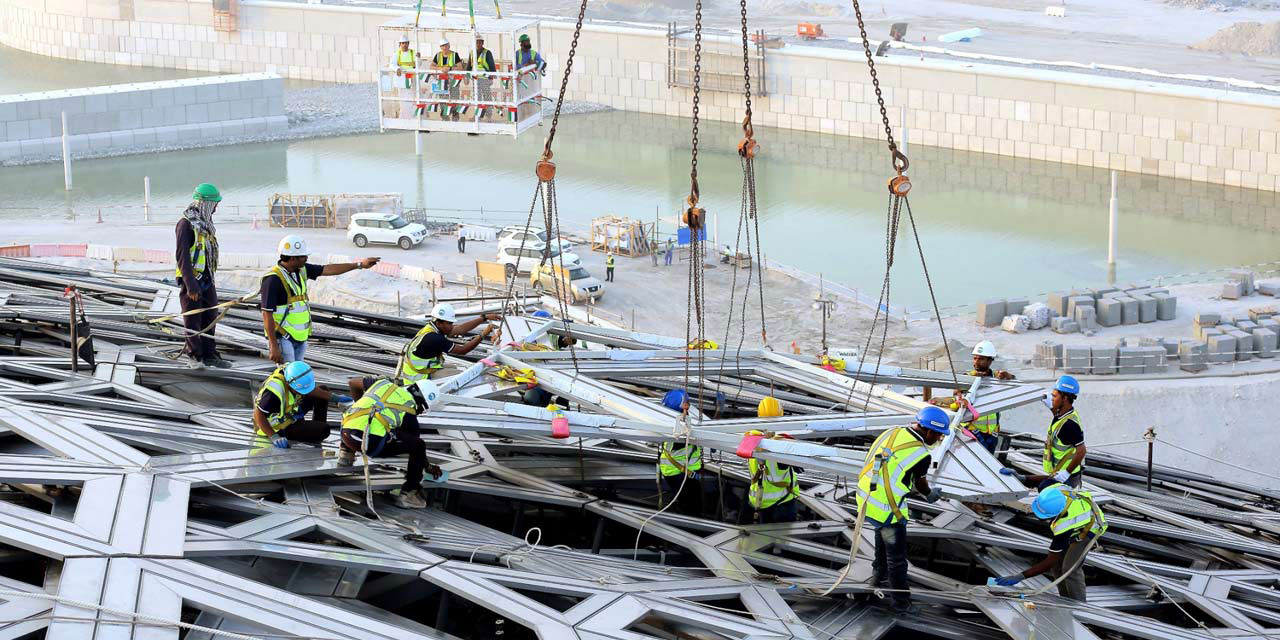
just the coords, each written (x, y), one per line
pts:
(137, 498)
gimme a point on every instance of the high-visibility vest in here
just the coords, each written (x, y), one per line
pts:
(676, 460)
(523, 59)
(771, 485)
(1082, 514)
(608, 262)
(987, 423)
(414, 368)
(381, 408)
(446, 61)
(294, 316)
(198, 251)
(407, 59)
(289, 399)
(900, 449)
(1057, 456)
(482, 61)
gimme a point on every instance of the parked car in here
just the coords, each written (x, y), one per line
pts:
(582, 285)
(384, 228)
(524, 260)
(516, 235)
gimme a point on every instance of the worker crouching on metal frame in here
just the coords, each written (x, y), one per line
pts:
(383, 423)
(284, 400)
(1076, 522)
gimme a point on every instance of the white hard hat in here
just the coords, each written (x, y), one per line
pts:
(404, 39)
(430, 394)
(985, 348)
(444, 311)
(444, 41)
(293, 245)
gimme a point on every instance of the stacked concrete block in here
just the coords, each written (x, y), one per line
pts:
(1246, 325)
(1087, 318)
(991, 312)
(1204, 321)
(1210, 332)
(1014, 306)
(1104, 360)
(1245, 279)
(1128, 311)
(1171, 346)
(1269, 289)
(1109, 312)
(1244, 344)
(1146, 308)
(1064, 325)
(1270, 323)
(1193, 356)
(1156, 359)
(1078, 301)
(1075, 359)
(1264, 343)
(1102, 293)
(1048, 355)
(1261, 313)
(1166, 305)
(1222, 348)
(1129, 360)
(1232, 291)
(1058, 302)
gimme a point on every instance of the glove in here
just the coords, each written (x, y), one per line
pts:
(1009, 581)
(1061, 476)
(1006, 471)
(935, 494)
(342, 400)
(279, 441)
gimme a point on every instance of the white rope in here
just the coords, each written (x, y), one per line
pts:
(1217, 460)
(133, 615)
(688, 435)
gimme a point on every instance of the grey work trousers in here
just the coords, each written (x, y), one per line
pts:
(1073, 586)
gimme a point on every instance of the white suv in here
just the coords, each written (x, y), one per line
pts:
(525, 260)
(385, 228)
(531, 236)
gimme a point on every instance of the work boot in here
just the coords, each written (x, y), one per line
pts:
(346, 458)
(409, 499)
(218, 362)
(195, 362)
(877, 581)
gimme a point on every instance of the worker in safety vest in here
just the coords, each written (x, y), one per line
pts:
(383, 423)
(197, 259)
(405, 60)
(896, 463)
(283, 401)
(1076, 521)
(987, 426)
(444, 61)
(774, 486)
(424, 355)
(680, 463)
(481, 61)
(1064, 450)
(608, 266)
(526, 56)
(286, 313)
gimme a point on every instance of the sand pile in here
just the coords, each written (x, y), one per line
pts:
(1251, 38)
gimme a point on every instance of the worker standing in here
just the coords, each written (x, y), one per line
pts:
(462, 239)
(481, 62)
(286, 313)
(197, 258)
(1076, 522)
(526, 56)
(986, 427)
(671, 249)
(608, 266)
(405, 61)
(896, 463)
(1064, 450)
(383, 423)
(424, 355)
(774, 486)
(680, 463)
(444, 61)
(283, 401)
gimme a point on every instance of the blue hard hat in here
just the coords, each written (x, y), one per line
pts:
(675, 399)
(1050, 503)
(542, 313)
(1068, 384)
(300, 377)
(934, 419)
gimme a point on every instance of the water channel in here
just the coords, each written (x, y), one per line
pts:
(990, 225)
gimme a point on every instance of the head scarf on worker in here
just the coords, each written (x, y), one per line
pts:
(200, 214)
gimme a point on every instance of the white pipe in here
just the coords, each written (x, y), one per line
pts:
(417, 142)
(66, 153)
(146, 198)
(1113, 226)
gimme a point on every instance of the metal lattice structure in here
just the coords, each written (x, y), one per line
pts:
(136, 489)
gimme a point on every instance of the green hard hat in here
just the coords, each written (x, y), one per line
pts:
(524, 37)
(206, 191)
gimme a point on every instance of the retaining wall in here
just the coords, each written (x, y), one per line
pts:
(1214, 136)
(124, 115)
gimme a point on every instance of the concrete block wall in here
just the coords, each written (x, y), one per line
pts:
(125, 116)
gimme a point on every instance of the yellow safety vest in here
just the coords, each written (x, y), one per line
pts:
(899, 450)
(482, 60)
(406, 59)
(771, 485)
(199, 249)
(1056, 454)
(987, 423)
(294, 316)
(413, 368)
(523, 59)
(1082, 513)
(446, 61)
(381, 408)
(289, 400)
(675, 461)
(608, 262)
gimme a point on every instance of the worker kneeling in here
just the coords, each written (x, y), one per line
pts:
(285, 398)
(383, 423)
(897, 462)
(1076, 522)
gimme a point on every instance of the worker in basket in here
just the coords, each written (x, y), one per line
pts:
(986, 426)
(383, 423)
(1076, 522)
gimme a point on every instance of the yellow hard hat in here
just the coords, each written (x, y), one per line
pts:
(769, 407)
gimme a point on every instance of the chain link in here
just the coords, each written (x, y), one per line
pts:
(564, 80)
(746, 64)
(697, 98)
(899, 160)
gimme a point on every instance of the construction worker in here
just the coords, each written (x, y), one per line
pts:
(671, 250)
(424, 355)
(1064, 450)
(383, 423)
(986, 427)
(287, 395)
(680, 463)
(197, 258)
(286, 314)
(526, 56)
(481, 61)
(405, 60)
(774, 486)
(897, 462)
(608, 266)
(444, 61)
(1076, 522)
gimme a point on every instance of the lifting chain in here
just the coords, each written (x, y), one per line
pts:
(748, 147)
(899, 185)
(546, 169)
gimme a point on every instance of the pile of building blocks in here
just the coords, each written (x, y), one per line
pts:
(1085, 311)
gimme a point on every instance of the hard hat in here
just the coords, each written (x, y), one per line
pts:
(769, 407)
(479, 38)
(300, 377)
(542, 313)
(444, 41)
(207, 192)
(430, 393)
(404, 39)
(444, 311)
(1050, 503)
(934, 419)
(675, 399)
(1068, 384)
(985, 348)
(524, 37)
(293, 245)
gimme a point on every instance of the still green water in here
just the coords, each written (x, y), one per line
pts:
(22, 72)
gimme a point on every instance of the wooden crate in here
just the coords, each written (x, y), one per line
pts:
(623, 236)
